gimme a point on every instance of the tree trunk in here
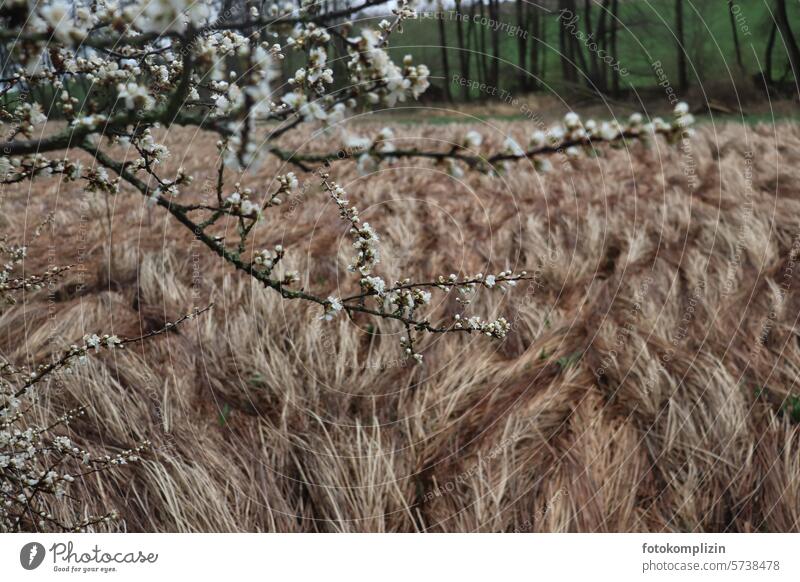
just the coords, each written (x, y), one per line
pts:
(736, 46)
(565, 46)
(602, 43)
(613, 45)
(522, 46)
(789, 41)
(463, 53)
(542, 54)
(482, 50)
(579, 63)
(683, 73)
(768, 55)
(533, 26)
(593, 72)
(443, 43)
(494, 14)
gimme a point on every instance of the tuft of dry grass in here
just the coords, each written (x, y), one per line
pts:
(643, 387)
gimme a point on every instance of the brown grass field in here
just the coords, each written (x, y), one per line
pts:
(648, 384)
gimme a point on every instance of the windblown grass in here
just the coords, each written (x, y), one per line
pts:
(642, 387)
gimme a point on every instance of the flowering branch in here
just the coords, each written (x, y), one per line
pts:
(31, 457)
(193, 64)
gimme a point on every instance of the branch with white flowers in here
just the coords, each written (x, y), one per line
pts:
(39, 463)
(173, 66)
(163, 63)
(400, 302)
(569, 138)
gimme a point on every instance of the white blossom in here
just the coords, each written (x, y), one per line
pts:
(473, 139)
(512, 147)
(135, 96)
(333, 306)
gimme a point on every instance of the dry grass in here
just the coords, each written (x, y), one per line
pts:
(641, 388)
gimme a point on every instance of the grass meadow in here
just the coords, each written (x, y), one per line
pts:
(649, 382)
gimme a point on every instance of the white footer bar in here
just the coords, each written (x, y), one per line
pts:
(401, 557)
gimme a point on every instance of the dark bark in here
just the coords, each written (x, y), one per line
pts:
(542, 54)
(522, 46)
(482, 45)
(565, 44)
(580, 66)
(792, 50)
(443, 44)
(593, 71)
(736, 46)
(602, 43)
(680, 46)
(463, 53)
(494, 14)
(773, 32)
(534, 29)
(615, 74)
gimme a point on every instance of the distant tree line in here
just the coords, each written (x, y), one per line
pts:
(536, 45)
(580, 41)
